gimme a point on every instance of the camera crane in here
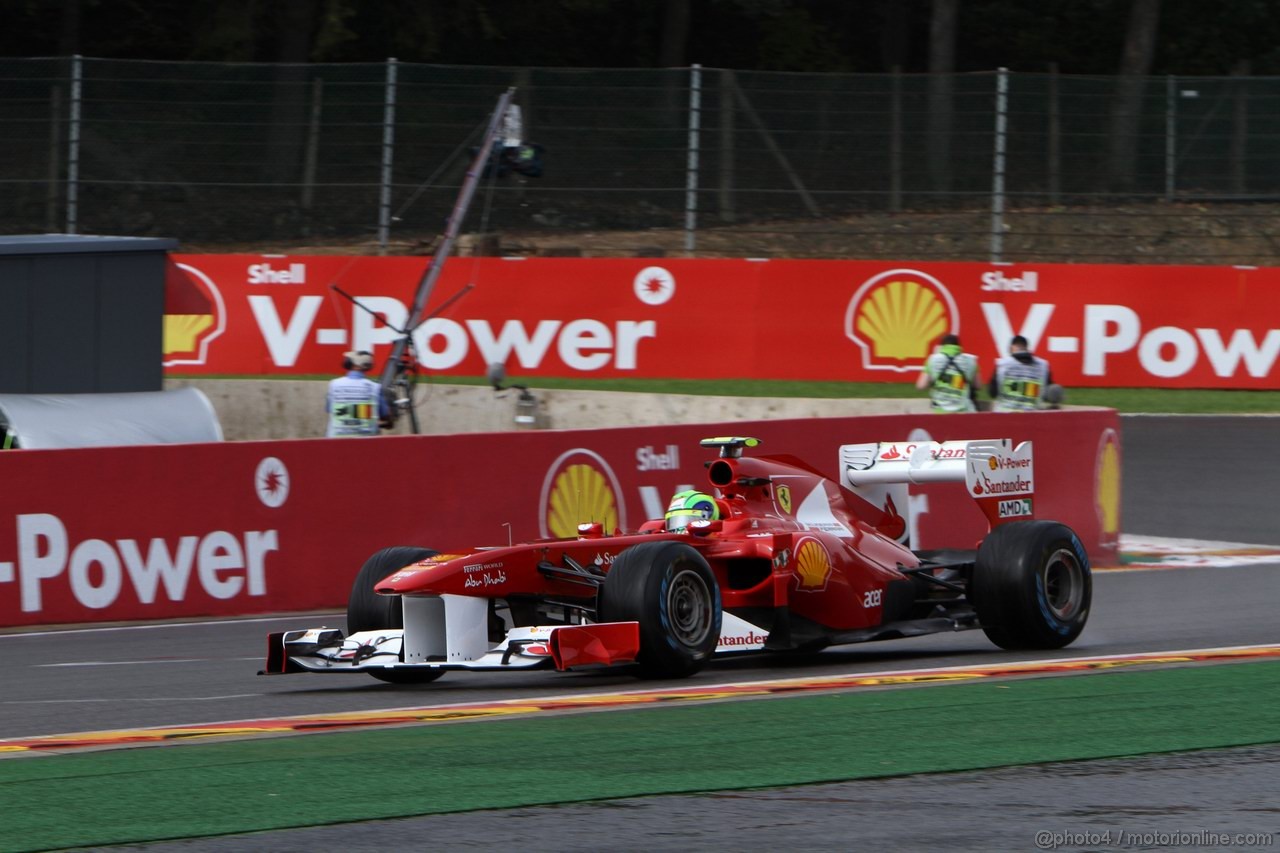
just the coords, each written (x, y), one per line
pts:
(401, 365)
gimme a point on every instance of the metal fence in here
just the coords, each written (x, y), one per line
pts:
(368, 157)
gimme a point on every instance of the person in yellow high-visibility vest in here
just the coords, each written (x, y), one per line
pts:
(951, 376)
(355, 403)
(1021, 380)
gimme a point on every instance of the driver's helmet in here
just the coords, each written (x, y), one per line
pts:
(689, 506)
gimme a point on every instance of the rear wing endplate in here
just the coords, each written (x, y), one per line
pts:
(998, 475)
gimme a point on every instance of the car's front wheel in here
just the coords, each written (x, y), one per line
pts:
(368, 611)
(671, 591)
(1032, 586)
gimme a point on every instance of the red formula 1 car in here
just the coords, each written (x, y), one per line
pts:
(776, 558)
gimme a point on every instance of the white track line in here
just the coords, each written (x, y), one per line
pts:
(151, 626)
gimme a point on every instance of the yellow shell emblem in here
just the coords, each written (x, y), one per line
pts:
(1108, 485)
(813, 565)
(181, 331)
(580, 493)
(901, 319)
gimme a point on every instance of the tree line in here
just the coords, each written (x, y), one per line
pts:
(1102, 37)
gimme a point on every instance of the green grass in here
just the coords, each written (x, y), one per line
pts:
(1125, 400)
(191, 790)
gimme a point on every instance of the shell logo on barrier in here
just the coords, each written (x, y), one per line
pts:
(1107, 486)
(580, 487)
(895, 317)
(813, 566)
(194, 314)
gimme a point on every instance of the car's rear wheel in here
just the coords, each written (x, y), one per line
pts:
(1032, 585)
(368, 611)
(671, 591)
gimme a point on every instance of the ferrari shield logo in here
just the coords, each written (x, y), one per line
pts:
(784, 498)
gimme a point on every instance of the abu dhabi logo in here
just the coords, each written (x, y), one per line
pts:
(579, 488)
(194, 315)
(896, 317)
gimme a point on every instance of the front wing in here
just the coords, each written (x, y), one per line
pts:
(450, 632)
(560, 647)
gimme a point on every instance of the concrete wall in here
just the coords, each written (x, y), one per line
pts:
(261, 409)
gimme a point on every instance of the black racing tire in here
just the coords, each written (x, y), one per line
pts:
(668, 588)
(368, 611)
(1032, 585)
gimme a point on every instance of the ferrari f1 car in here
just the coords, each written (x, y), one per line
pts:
(785, 560)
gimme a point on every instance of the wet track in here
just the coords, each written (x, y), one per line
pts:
(1176, 483)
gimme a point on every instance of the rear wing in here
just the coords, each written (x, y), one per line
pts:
(998, 475)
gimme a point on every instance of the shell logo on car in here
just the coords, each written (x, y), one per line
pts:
(895, 317)
(580, 487)
(194, 315)
(813, 566)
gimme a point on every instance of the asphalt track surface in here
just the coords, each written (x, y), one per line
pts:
(1203, 477)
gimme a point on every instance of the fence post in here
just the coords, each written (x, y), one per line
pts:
(1240, 128)
(312, 154)
(55, 155)
(895, 139)
(691, 167)
(73, 147)
(998, 165)
(1055, 136)
(728, 213)
(1170, 136)
(388, 152)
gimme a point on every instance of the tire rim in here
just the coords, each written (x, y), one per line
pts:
(689, 608)
(1063, 585)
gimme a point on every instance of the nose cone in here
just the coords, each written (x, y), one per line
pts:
(425, 576)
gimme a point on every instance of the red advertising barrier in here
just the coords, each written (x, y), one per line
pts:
(866, 321)
(253, 527)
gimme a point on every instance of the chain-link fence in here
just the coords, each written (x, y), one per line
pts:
(369, 157)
